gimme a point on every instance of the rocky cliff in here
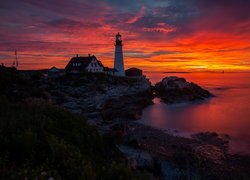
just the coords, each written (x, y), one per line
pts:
(96, 96)
(101, 96)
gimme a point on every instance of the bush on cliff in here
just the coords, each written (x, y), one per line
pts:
(76, 80)
(41, 141)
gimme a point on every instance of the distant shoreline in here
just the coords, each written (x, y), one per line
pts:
(180, 72)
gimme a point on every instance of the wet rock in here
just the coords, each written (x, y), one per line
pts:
(177, 90)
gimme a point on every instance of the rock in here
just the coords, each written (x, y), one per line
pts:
(210, 152)
(119, 127)
(136, 157)
(177, 90)
(169, 170)
(128, 106)
(212, 138)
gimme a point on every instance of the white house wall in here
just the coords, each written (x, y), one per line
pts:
(94, 66)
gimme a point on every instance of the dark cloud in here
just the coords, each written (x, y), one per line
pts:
(142, 54)
(172, 59)
(227, 16)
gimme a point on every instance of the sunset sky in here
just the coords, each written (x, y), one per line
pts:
(158, 35)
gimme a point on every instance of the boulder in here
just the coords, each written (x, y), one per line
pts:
(177, 90)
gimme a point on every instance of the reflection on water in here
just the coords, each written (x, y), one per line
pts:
(227, 113)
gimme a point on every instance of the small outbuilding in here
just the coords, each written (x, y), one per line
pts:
(54, 71)
(110, 71)
(134, 72)
(7, 69)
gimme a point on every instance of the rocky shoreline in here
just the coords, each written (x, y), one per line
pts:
(111, 104)
(205, 155)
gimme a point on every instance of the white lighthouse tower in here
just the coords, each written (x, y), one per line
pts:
(118, 63)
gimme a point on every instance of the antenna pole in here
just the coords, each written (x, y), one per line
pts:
(16, 58)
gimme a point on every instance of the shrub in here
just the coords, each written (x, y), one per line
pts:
(40, 138)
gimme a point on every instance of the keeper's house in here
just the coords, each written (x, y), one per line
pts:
(84, 64)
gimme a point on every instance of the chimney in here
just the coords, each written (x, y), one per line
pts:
(77, 55)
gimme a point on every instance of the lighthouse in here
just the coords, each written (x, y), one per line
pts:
(118, 62)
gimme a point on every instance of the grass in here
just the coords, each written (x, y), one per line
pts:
(39, 137)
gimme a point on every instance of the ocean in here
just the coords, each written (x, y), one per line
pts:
(226, 113)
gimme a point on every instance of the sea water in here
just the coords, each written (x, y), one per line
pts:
(226, 113)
